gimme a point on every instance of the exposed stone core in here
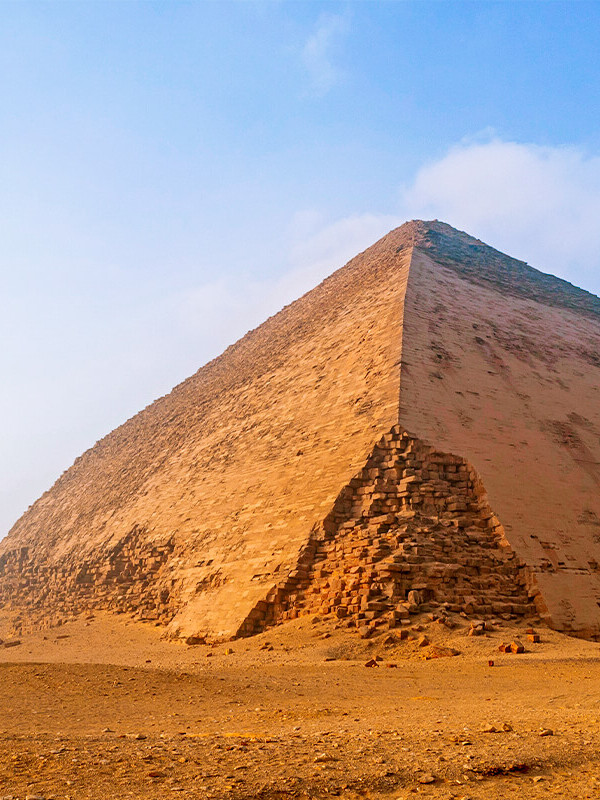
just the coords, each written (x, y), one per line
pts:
(131, 577)
(216, 510)
(413, 527)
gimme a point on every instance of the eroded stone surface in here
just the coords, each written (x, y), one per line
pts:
(131, 577)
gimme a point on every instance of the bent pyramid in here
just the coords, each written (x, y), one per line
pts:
(423, 427)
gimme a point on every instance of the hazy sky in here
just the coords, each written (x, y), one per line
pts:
(171, 173)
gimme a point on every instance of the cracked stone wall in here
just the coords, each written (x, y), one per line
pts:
(132, 577)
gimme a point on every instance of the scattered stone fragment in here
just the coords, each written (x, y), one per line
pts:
(323, 758)
(546, 732)
(372, 663)
(512, 647)
(13, 643)
(414, 598)
(426, 778)
(438, 651)
(423, 641)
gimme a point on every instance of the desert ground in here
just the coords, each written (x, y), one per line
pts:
(106, 708)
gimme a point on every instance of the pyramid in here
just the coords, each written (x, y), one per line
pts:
(420, 430)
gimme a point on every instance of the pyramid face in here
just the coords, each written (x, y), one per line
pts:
(423, 427)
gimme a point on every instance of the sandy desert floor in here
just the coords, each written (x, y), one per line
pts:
(105, 708)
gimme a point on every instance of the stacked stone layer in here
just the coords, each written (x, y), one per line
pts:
(133, 577)
(412, 527)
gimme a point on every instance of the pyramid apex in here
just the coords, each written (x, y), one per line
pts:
(482, 264)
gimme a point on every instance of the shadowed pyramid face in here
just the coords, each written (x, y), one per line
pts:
(261, 487)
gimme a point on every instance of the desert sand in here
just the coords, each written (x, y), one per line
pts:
(106, 708)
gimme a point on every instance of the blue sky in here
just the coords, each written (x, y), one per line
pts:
(172, 173)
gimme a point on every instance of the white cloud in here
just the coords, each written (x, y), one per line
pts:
(319, 50)
(224, 309)
(317, 246)
(540, 204)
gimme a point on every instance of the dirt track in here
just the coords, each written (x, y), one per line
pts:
(286, 722)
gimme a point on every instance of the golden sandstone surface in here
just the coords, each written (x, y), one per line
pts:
(422, 429)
